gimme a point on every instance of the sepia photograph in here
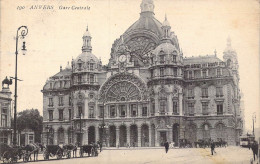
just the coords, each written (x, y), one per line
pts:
(130, 81)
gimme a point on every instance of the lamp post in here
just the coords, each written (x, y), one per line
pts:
(254, 119)
(22, 31)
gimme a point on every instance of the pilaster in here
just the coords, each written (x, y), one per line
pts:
(117, 136)
(139, 136)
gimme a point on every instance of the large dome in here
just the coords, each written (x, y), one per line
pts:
(165, 48)
(147, 21)
(87, 57)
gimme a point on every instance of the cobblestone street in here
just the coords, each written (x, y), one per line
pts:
(230, 154)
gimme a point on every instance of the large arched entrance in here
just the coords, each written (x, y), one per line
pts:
(112, 136)
(153, 135)
(144, 136)
(122, 136)
(175, 134)
(191, 133)
(133, 136)
(61, 136)
(91, 135)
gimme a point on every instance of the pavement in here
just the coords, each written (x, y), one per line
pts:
(157, 155)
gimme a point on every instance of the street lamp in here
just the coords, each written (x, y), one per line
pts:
(22, 31)
(254, 120)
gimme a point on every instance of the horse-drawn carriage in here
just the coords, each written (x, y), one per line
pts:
(54, 150)
(70, 148)
(10, 154)
(184, 143)
(202, 143)
(91, 150)
(220, 143)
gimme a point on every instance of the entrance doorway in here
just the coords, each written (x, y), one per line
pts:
(163, 138)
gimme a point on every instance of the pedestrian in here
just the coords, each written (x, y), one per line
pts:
(166, 145)
(212, 146)
(133, 144)
(255, 149)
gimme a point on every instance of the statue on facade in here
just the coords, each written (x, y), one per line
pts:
(6, 81)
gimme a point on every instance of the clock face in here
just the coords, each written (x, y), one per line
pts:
(122, 58)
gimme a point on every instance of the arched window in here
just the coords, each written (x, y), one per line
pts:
(206, 131)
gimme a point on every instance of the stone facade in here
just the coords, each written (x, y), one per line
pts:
(148, 93)
(5, 113)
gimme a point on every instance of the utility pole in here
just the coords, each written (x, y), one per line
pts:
(254, 119)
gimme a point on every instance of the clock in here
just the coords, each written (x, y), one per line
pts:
(122, 58)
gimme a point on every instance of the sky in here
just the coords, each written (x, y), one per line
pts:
(55, 37)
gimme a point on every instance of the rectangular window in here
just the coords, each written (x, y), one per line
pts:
(204, 73)
(79, 79)
(80, 65)
(152, 73)
(133, 110)
(190, 94)
(50, 102)
(205, 108)
(175, 107)
(4, 120)
(153, 107)
(219, 109)
(80, 111)
(112, 111)
(122, 109)
(101, 110)
(163, 106)
(91, 66)
(191, 109)
(60, 101)
(175, 72)
(70, 114)
(218, 72)
(91, 111)
(60, 84)
(70, 101)
(91, 79)
(50, 85)
(50, 115)
(204, 92)
(190, 75)
(161, 72)
(60, 114)
(219, 92)
(144, 111)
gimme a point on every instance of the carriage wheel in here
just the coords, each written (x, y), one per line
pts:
(59, 155)
(46, 155)
(68, 154)
(26, 157)
(92, 152)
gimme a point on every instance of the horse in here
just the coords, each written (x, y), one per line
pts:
(31, 149)
(71, 147)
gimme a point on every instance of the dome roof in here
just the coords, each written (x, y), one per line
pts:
(166, 48)
(86, 57)
(146, 22)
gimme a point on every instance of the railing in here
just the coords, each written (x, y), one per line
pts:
(219, 113)
(219, 95)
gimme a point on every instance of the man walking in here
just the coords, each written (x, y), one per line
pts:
(212, 146)
(166, 145)
(255, 149)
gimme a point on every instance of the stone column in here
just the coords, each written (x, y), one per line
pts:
(128, 139)
(117, 136)
(117, 110)
(85, 110)
(139, 110)
(139, 136)
(66, 141)
(157, 139)
(170, 106)
(55, 137)
(170, 135)
(180, 104)
(97, 133)
(150, 136)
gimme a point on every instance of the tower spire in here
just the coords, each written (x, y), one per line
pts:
(147, 6)
(86, 41)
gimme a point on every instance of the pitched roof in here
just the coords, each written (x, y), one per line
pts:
(201, 59)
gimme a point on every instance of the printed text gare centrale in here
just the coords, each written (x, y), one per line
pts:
(51, 7)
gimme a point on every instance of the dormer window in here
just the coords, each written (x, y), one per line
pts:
(80, 66)
(174, 59)
(161, 59)
(91, 66)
